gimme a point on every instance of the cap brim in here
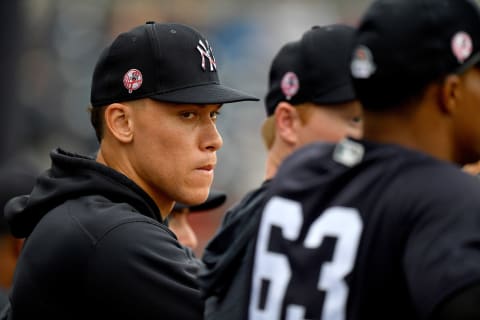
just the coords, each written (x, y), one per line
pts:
(341, 94)
(215, 199)
(205, 94)
(474, 59)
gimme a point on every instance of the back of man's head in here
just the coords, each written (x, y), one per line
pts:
(403, 45)
(313, 69)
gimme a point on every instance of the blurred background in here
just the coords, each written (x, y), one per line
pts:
(50, 48)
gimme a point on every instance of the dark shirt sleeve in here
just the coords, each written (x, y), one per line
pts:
(442, 255)
(140, 271)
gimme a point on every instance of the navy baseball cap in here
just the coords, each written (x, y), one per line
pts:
(402, 45)
(313, 69)
(215, 199)
(165, 62)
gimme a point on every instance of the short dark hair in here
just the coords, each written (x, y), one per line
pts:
(97, 119)
(385, 99)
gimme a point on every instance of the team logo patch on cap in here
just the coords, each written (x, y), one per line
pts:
(132, 80)
(290, 85)
(462, 46)
(362, 66)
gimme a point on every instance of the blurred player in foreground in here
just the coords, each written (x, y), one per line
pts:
(387, 227)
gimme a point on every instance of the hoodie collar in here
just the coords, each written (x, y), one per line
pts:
(72, 176)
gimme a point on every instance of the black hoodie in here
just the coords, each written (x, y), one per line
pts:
(97, 248)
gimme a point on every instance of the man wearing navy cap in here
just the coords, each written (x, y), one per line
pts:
(97, 243)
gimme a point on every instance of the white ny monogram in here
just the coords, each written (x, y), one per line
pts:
(206, 51)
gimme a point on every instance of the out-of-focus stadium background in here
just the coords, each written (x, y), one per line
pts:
(49, 49)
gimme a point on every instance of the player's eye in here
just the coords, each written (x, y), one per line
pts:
(356, 119)
(214, 114)
(187, 115)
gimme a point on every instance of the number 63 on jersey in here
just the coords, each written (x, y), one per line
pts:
(317, 288)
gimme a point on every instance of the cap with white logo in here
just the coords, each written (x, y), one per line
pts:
(165, 62)
(314, 68)
(402, 45)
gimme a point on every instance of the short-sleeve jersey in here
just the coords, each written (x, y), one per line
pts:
(364, 231)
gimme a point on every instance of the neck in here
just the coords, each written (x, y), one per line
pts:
(277, 153)
(271, 167)
(118, 162)
(421, 130)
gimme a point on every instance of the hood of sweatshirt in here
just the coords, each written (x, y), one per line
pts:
(72, 176)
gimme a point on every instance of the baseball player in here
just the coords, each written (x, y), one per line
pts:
(97, 243)
(387, 227)
(310, 98)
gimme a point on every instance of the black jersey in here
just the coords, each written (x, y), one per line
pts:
(364, 231)
(228, 258)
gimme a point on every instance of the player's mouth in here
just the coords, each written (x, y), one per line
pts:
(207, 168)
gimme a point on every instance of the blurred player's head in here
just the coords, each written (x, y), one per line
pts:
(311, 78)
(401, 46)
(310, 95)
(410, 53)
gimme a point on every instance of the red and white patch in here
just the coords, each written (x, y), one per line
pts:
(290, 85)
(462, 46)
(132, 80)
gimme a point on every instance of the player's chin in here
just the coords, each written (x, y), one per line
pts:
(201, 180)
(196, 199)
(196, 195)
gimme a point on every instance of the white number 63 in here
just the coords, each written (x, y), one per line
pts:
(343, 223)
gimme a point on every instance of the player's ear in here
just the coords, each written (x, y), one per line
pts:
(287, 120)
(119, 122)
(450, 93)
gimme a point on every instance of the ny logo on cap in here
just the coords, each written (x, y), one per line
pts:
(206, 51)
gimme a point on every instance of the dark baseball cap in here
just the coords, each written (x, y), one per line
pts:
(313, 69)
(215, 199)
(165, 62)
(402, 45)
